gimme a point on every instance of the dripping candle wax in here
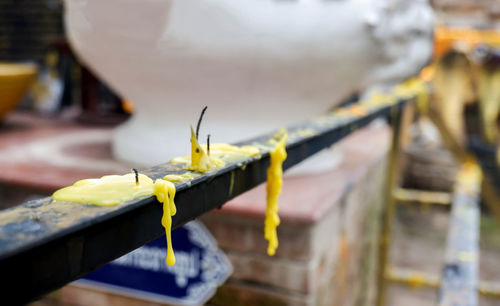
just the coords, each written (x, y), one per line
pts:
(165, 193)
(273, 188)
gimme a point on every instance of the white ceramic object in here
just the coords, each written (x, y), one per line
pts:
(257, 64)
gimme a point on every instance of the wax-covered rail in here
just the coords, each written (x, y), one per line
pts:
(460, 274)
(45, 244)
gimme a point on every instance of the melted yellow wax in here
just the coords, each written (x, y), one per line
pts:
(115, 189)
(409, 89)
(273, 188)
(469, 174)
(306, 132)
(220, 153)
(227, 152)
(179, 177)
(106, 191)
(165, 193)
(277, 137)
(414, 87)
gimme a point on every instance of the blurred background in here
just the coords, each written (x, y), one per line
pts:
(57, 118)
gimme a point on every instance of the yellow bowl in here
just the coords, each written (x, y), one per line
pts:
(15, 80)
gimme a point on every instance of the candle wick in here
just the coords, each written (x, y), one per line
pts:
(199, 121)
(208, 144)
(136, 176)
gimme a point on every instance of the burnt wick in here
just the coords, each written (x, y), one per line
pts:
(208, 144)
(199, 121)
(136, 176)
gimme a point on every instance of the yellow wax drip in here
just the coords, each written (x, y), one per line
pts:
(165, 193)
(106, 191)
(273, 188)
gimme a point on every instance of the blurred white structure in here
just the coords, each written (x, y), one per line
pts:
(258, 64)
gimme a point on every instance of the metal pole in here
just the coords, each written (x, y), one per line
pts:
(45, 244)
(390, 203)
(419, 279)
(460, 281)
(422, 197)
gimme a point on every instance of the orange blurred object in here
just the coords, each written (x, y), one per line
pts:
(128, 106)
(15, 80)
(446, 38)
(357, 110)
(427, 73)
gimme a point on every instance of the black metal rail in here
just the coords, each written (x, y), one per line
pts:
(459, 283)
(45, 244)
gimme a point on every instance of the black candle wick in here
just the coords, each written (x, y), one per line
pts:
(136, 176)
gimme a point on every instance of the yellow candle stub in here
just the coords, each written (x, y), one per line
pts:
(273, 188)
(116, 189)
(200, 160)
(165, 193)
(106, 191)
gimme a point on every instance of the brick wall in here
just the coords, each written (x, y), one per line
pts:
(327, 259)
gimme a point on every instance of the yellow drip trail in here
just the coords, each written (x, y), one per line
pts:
(165, 193)
(273, 188)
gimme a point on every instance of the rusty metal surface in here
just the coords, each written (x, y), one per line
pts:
(460, 274)
(45, 244)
